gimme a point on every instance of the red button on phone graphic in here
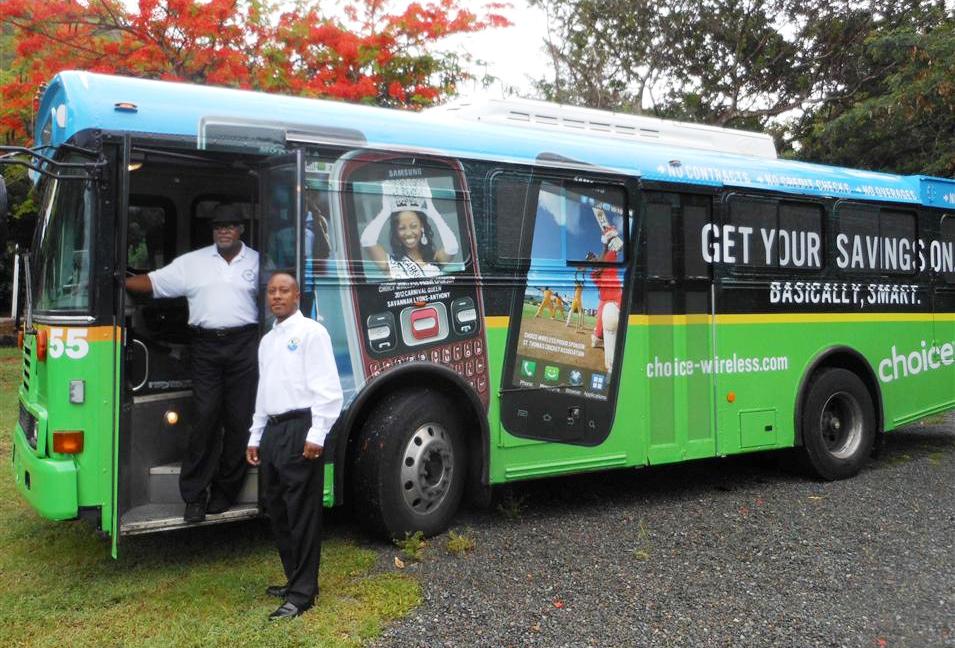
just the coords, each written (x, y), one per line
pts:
(424, 323)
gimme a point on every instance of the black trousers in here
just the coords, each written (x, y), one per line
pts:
(224, 376)
(292, 493)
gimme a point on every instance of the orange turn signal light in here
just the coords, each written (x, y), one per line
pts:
(731, 397)
(68, 441)
(20, 339)
(41, 344)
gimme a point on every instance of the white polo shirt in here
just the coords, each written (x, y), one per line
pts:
(221, 293)
(297, 371)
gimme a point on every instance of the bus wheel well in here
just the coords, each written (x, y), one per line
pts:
(465, 402)
(840, 358)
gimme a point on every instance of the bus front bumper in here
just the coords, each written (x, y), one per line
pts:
(49, 485)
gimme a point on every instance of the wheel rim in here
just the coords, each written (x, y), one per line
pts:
(427, 468)
(841, 425)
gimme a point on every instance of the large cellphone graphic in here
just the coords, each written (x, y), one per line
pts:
(413, 292)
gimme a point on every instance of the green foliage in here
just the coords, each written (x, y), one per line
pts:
(17, 227)
(21, 194)
(412, 546)
(459, 543)
(903, 119)
(866, 83)
(198, 587)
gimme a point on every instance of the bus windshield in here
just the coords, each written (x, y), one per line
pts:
(63, 246)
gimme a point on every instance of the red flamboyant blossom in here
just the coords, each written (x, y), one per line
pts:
(368, 53)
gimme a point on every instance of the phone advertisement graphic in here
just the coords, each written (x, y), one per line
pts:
(414, 291)
(567, 325)
(570, 315)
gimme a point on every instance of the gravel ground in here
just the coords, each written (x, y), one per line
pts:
(732, 552)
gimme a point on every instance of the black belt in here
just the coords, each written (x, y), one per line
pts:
(292, 415)
(200, 332)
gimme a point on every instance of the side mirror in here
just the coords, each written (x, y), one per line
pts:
(3, 199)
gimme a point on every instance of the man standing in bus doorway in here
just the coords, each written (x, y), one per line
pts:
(219, 282)
(298, 400)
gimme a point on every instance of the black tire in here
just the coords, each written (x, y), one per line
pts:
(409, 465)
(838, 425)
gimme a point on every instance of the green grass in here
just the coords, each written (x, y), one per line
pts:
(459, 543)
(198, 587)
(412, 546)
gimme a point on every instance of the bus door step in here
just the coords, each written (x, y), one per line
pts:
(164, 485)
(150, 518)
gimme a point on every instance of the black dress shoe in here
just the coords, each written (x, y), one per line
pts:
(287, 611)
(278, 591)
(218, 505)
(195, 512)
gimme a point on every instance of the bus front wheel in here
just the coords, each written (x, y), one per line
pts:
(838, 425)
(409, 465)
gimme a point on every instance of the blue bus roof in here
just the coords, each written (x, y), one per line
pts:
(75, 101)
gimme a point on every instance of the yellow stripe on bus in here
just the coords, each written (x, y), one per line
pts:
(501, 321)
(784, 318)
(93, 333)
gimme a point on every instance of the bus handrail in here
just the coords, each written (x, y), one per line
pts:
(9, 153)
(28, 295)
(146, 372)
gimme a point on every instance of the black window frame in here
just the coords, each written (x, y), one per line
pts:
(68, 175)
(911, 210)
(535, 179)
(738, 269)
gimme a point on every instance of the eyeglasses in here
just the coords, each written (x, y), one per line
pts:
(225, 226)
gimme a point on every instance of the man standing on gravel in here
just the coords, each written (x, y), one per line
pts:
(299, 398)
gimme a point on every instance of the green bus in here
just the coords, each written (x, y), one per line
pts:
(613, 292)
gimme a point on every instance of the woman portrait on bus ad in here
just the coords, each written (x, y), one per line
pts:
(419, 239)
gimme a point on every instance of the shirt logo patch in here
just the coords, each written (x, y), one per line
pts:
(249, 275)
(293, 343)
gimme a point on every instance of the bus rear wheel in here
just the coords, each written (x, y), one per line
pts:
(409, 465)
(838, 425)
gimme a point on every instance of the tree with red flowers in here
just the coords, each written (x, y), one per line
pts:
(370, 53)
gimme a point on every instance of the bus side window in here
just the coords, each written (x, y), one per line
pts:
(659, 229)
(317, 242)
(766, 233)
(695, 217)
(894, 228)
(800, 230)
(751, 242)
(948, 242)
(511, 196)
(855, 223)
(151, 240)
